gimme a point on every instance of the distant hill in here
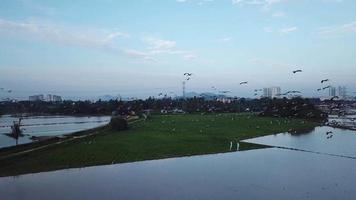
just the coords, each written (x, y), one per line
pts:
(205, 95)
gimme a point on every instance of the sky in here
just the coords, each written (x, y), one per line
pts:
(139, 48)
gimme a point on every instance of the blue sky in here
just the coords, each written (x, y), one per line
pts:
(142, 47)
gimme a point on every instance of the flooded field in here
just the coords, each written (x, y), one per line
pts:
(307, 165)
(258, 174)
(46, 126)
(325, 140)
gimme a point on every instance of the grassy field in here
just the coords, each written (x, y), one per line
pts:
(159, 137)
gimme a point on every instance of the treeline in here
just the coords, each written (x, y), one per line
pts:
(190, 105)
(296, 108)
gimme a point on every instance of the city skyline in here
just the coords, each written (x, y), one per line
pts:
(141, 48)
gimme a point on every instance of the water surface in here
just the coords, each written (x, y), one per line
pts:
(342, 142)
(266, 174)
(47, 126)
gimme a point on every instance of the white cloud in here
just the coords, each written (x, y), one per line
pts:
(332, 1)
(338, 31)
(253, 2)
(160, 45)
(60, 35)
(288, 30)
(279, 14)
(199, 2)
(104, 40)
(99, 39)
(268, 29)
(139, 54)
(225, 39)
(190, 56)
(257, 2)
(270, 2)
(156, 46)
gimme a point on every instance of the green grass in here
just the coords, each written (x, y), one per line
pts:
(159, 137)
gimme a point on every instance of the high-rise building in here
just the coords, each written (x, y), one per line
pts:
(56, 98)
(53, 98)
(342, 92)
(332, 91)
(39, 97)
(272, 92)
(49, 98)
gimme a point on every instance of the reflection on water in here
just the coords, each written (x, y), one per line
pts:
(342, 142)
(257, 174)
(47, 126)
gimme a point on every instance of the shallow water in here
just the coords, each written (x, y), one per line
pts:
(342, 142)
(47, 126)
(346, 121)
(257, 174)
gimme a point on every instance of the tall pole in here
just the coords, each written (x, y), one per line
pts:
(183, 89)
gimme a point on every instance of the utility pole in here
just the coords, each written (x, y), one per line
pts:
(183, 89)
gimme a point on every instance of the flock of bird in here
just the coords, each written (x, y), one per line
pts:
(259, 91)
(6, 90)
(329, 134)
(188, 76)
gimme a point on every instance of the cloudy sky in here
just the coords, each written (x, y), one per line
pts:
(142, 47)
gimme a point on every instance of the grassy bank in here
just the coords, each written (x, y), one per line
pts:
(159, 137)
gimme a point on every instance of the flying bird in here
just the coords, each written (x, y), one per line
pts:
(224, 92)
(9, 91)
(329, 132)
(188, 75)
(326, 87)
(325, 80)
(244, 82)
(296, 71)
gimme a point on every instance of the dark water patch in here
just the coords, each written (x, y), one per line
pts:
(257, 174)
(325, 140)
